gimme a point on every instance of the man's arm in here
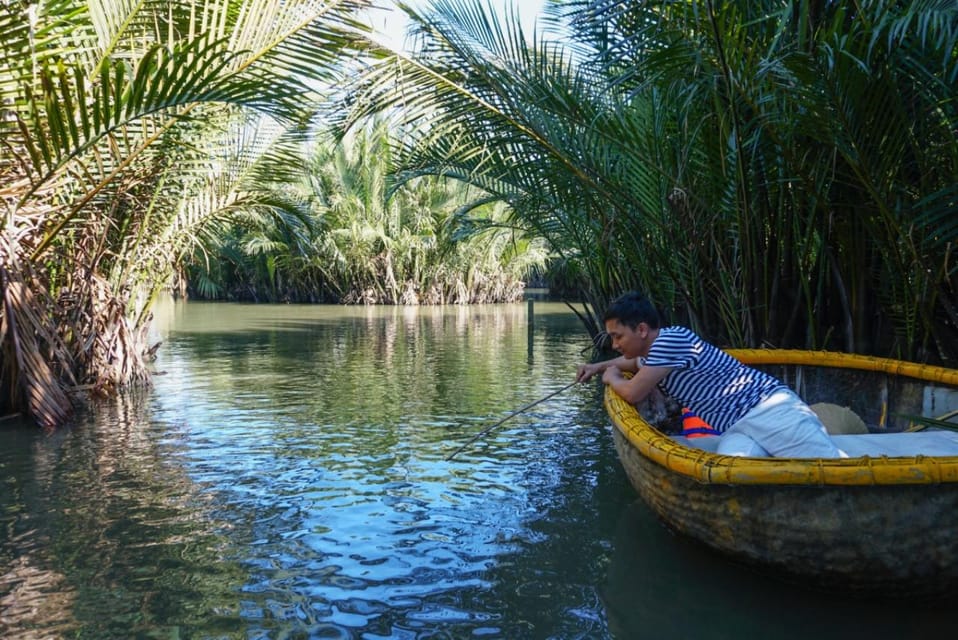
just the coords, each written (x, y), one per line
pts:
(635, 389)
(586, 371)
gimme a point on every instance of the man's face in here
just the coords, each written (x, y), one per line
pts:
(631, 343)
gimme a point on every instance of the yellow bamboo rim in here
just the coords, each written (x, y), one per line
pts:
(928, 373)
(711, 468)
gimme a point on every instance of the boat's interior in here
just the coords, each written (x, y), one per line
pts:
(903, 444)
(881, 411)
(867, 412)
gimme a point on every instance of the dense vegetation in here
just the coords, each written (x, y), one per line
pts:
(772, 172)
(360, 242)
(130, 131)
(780, 172)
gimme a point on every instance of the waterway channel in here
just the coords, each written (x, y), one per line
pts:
(286, 476)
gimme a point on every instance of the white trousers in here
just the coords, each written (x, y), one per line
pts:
(782, 426)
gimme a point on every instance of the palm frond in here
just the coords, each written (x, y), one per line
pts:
(110, 110)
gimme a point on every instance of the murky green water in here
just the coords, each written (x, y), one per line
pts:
(286, 478)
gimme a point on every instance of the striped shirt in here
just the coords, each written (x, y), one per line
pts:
(719, 388)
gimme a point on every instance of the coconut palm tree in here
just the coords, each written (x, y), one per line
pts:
(411, 243)
(125, 129)
(777, 172)
(527, 125)
(823, 144)
(362, 241)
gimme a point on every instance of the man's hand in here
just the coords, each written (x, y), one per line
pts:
(585, 371)
(612, 374)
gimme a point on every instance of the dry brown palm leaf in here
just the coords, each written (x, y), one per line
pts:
(117, 345)
(108, 349)
(25, 339)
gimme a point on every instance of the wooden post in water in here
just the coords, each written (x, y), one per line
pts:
(530, 326)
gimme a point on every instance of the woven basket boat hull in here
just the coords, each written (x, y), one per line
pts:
(871, 526)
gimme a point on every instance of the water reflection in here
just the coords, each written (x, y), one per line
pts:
(104, 533)
(669, 587)
(286, 477)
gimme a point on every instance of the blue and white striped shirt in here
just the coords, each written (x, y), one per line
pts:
(719, 388)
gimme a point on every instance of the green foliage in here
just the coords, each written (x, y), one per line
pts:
(362, 240)
(774, 172)
(779, 172)
(129, 131)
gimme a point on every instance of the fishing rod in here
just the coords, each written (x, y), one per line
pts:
(511, 415)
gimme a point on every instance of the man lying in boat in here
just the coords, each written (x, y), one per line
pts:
(756, 414)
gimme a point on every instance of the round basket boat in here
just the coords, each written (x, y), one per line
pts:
(883, 523)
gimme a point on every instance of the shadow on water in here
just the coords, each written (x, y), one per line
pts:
(665, 586)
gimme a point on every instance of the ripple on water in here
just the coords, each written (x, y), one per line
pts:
(290, 481)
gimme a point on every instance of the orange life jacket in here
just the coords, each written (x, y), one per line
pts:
(694, 427)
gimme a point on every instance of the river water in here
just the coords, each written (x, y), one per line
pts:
(287, 477)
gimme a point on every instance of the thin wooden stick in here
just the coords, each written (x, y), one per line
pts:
(513, 414)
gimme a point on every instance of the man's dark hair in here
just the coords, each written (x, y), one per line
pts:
(632, 308)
